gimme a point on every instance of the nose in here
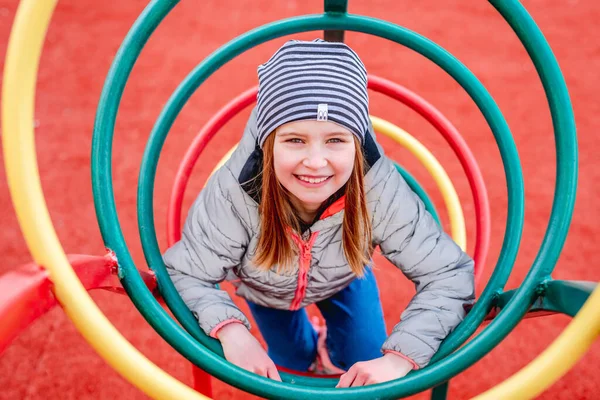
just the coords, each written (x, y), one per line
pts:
(315, 159)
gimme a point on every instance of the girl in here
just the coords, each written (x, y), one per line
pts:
(295, 215)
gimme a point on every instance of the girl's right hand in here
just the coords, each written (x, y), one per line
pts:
(243, 350)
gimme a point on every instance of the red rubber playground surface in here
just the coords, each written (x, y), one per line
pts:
(50, 360)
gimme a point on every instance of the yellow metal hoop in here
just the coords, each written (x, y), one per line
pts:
(18, 94)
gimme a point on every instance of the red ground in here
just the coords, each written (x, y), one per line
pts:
(51, 360)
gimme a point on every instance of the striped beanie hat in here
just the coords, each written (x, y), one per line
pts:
(318, 80)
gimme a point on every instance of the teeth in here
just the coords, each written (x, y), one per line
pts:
(312, 180)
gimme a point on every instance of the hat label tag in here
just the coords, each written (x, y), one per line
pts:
(322, 112)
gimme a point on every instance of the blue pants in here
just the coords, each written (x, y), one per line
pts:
(355, 328)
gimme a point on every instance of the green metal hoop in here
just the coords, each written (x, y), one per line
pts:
(368, 25)
(437, 372)
(419, 191)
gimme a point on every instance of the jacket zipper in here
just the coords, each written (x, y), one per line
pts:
(303, 268)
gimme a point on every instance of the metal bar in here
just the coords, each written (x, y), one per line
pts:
(25, 295)
(565, 297)
(440, 392)
(27, 292)
(333, 36)
(202, 381)
(556, 296)
(335, 7)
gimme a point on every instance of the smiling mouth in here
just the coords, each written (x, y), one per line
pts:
(313, 180)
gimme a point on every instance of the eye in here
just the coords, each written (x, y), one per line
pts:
(294, 140)
(335, 140)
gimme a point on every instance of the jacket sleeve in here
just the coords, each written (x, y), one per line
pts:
(442, 273)
(213, 241)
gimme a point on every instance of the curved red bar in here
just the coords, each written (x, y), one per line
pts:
(461, 149)
(391, 89)
(191, 156)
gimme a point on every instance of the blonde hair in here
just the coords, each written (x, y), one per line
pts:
(275, 246)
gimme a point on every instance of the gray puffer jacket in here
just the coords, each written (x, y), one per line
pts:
(221, 233)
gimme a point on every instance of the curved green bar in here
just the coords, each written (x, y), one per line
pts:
(420, 191)
(566, 158)
(183, 342)
(379, 28)
(563, 206)
(565, 134)
(420, 380)
(566, 179)
(387, 30)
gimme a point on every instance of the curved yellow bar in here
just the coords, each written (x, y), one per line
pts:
(18, 94)
(224, 159)
(455, 213)
(440, 176)
(556, 360)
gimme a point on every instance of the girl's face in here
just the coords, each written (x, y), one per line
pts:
(313, 160)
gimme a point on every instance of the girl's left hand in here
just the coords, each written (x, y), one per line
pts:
(382, 369)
